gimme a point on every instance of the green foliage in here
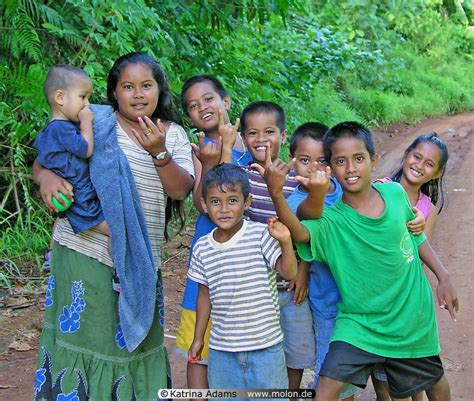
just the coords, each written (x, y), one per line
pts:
(21, 250)
(323, 60)
(423, 88)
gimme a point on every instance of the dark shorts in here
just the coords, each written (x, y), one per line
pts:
(406, 376)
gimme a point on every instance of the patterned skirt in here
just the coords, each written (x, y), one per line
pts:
(82, 354)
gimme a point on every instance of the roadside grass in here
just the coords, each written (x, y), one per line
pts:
(426, 90)
(22, 249)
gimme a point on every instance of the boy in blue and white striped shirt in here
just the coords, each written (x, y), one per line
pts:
(235, 266)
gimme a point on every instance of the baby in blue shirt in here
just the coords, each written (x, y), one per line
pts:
(66, 143)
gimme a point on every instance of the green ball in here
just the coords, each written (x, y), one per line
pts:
(58, 205)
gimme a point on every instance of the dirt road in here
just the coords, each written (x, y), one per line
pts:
(453, 238)
(452, 241)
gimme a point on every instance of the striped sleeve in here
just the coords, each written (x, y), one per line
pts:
(178, 145)
(271, 249)
(196, 269)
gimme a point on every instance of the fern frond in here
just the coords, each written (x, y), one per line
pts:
(25, 39)
(32, 89)
(31, 8)
(74, 39)
(15, 75)
(5, 42)
(50, 15)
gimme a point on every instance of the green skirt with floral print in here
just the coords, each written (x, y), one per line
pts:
(82, 353)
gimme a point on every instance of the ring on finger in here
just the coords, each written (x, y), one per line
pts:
(148, 131)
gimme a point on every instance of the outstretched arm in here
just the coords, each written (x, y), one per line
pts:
(203, 312)
(447, 297)
(298, 231)
(274, 175)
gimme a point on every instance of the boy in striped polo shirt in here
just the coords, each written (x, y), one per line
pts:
(263, 129)
(235, 266)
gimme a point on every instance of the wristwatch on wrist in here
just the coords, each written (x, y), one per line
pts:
(160, 156)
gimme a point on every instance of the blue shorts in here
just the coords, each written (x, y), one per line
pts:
(259, 369)
(323, 329)
(298, 335)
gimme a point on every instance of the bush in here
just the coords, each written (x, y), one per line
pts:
(374, 61)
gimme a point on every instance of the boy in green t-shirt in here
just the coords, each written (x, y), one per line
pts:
(387, 314)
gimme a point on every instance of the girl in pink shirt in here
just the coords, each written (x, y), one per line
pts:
(421, 174)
